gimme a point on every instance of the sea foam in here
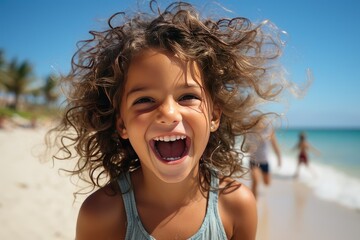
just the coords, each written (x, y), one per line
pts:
(327, 182)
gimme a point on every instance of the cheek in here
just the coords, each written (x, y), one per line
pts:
(199, 123)
(136, 120)
(200, 116)
(136, 125)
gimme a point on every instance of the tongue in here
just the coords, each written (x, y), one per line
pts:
(173, 149)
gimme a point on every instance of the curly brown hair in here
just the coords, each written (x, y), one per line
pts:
(234, 55)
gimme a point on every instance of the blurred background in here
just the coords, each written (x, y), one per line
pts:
(38, 39)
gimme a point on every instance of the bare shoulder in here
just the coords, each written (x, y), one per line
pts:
(101, 216)
(237, 206)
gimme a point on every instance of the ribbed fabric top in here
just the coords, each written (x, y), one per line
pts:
(211, 227)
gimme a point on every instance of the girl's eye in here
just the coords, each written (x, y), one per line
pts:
(143, 100)
(189, 97)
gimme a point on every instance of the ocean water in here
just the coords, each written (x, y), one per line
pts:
(334, 172)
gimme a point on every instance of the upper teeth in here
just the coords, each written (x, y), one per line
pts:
(169, 138)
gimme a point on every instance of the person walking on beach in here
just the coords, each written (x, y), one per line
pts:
(303, 146)
(155, 104)
(262, 143)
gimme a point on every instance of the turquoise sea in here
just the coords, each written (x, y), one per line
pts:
(334, 174)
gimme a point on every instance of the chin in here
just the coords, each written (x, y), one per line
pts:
(173, 176)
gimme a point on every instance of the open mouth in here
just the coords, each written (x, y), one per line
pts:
(171, 148)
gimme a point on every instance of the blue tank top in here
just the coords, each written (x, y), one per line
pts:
(211, 227)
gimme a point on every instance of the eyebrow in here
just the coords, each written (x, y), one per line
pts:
(145, 88)
(137, 89)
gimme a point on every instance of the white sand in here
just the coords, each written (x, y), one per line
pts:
(289, 210)
(36, 203)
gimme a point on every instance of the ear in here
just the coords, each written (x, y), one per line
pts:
(215, 120)
(121, 128)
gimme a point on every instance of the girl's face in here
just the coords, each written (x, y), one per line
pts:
(166, 116)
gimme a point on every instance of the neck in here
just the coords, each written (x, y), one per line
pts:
(168, 195)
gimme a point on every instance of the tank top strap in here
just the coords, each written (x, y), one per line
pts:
(125, 188)
(213, 208)
(212, 227)
(134, 227)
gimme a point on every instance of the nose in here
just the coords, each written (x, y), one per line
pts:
(168, 112)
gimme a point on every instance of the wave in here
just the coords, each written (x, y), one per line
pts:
(326, 182)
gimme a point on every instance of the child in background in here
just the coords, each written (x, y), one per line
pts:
(303, 146)
(155, 104)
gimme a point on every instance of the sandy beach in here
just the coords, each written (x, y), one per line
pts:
(289, 210)
(37, 203)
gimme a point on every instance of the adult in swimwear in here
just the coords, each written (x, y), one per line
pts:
(263, 144)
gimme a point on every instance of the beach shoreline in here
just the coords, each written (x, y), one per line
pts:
(36, 202)
(288, 209)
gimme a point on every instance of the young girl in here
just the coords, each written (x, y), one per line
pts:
(155, 104)
(303, 146)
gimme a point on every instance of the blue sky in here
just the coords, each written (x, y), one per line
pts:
(323, 35)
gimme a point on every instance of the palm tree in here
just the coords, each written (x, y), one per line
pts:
(17, 79)
(2, 58)
(2, 65)
(2, 75)
(50, 89)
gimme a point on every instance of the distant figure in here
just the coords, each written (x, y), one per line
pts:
(33, 122)
(303, 146)
(2, 121)
(262, 144)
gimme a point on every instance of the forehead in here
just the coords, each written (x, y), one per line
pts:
(161, 65)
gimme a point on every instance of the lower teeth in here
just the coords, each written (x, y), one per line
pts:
(171, 158)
